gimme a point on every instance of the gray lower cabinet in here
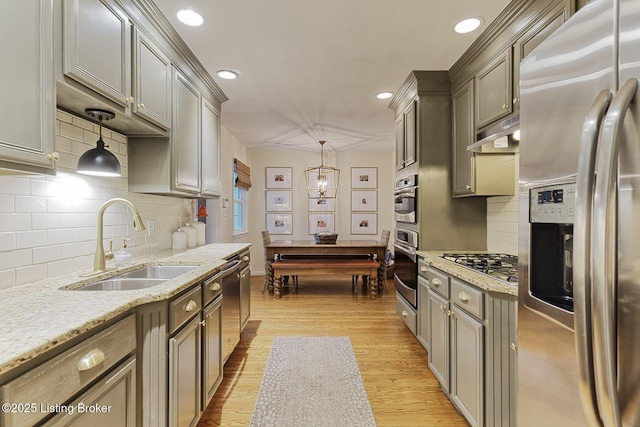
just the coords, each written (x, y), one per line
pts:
(93, 369)
(111, 402)
(422, 329)
(185, 375)
(472, 342)
(245, 296)
(27, 86)
(211, 350)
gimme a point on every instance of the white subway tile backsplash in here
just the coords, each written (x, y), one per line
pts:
(15, 222)
(72, 250)
(15, 185)
(7, 278)
(46, 254)
(57, 268)
(15, 259)
(45, 221)
(30, 274)
(7, 203)
(31, 204)
(45, 188)
(68, 130)
(31, 239)
(7, 242)
(59, 236)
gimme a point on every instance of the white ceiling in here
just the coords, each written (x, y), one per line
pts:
(309, 69)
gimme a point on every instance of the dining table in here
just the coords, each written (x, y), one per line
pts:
(341, 249)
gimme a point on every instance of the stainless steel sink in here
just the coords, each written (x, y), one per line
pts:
(159, 272)
(141, 278)
(120, 284)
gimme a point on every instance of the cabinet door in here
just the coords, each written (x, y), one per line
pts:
(28, 94)
(97, 48)
(467, 362)
(152, 81)
(493, 90)
(423, 312)
(210, 149)
(245, 297)
(463, 136)
(439, 339)
(532, 38)
(400, 134)
(117, 392)
(184, 376)
(185, 137)
(211, 351)
(411, 131)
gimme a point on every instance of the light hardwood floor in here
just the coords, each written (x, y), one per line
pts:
(393, 364)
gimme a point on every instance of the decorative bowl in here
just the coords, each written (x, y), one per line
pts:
(325, 238)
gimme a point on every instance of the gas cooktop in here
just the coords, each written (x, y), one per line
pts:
(500, 266)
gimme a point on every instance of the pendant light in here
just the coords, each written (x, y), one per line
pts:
(322, 181)
(99, 161)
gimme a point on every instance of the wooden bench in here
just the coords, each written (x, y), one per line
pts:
(326, 267)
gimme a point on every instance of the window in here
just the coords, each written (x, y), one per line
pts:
(240, 210)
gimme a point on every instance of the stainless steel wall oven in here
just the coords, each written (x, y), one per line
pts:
(406, 200)
(406, 264)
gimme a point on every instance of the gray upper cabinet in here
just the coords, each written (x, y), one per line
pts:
(210, 163)
(27, 86)
(493, 85)
(152, 81)
(97, 48)
(406, 139)
(463, 136)
(542, 29)
(185, 138)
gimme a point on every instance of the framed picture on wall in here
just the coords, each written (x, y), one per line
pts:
(319, 223)
(364, 223)
(364, 200)
(322, 205)
(278, 201)
(278, 177)
(364, 177)
(279, 223)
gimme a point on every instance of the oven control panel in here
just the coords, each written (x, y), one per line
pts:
(553, 204)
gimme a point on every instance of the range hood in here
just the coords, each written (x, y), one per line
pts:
(498, 138)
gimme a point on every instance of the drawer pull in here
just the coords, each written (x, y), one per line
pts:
(463, 296)
(245, 258)
(514, 347)
(191, 305)
(404, 313)
(436, 281)
(215, 286)
(423, 269)
(91, 360)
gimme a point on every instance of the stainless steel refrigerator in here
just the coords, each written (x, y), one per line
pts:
(579, 229)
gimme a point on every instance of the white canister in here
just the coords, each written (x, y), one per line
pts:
(179, 239)
(200, 232)
(191, 235)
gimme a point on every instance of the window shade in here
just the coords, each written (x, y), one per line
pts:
(243, 179)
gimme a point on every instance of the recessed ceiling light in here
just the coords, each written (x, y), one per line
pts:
(189, 17)
(467, 25)
(384, 95)
(227, 74)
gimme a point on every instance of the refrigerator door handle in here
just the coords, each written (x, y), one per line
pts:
(582, 256)
(605, 254)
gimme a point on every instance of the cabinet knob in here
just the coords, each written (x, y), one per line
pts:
(141, 106)
(203, 323)
(514, 347)
(423, 269)
(131, 100)
(516, 101)
(436, 282)
(215, 286)
(468, 187)
(55, 156)
(505, 106)
(91, 360)
(404, 313)
(191, 305)
(245, 258)
(449, 313)
(463, 296)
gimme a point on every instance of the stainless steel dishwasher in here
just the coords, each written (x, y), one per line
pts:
(230, 306)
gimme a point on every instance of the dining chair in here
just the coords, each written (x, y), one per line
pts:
(384, 239)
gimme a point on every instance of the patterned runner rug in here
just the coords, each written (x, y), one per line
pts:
(312, 381)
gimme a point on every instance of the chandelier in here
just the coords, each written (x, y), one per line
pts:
(322, 181)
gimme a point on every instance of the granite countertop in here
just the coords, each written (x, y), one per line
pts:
(39, 316)
(482, 281)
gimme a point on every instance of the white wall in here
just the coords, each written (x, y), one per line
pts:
(301, 160)
(48, 223)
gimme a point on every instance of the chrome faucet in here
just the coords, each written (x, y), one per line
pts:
(99, 264)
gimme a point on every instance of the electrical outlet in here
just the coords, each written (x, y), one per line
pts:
(152, 227)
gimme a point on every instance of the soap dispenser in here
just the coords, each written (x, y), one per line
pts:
(123, 256)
